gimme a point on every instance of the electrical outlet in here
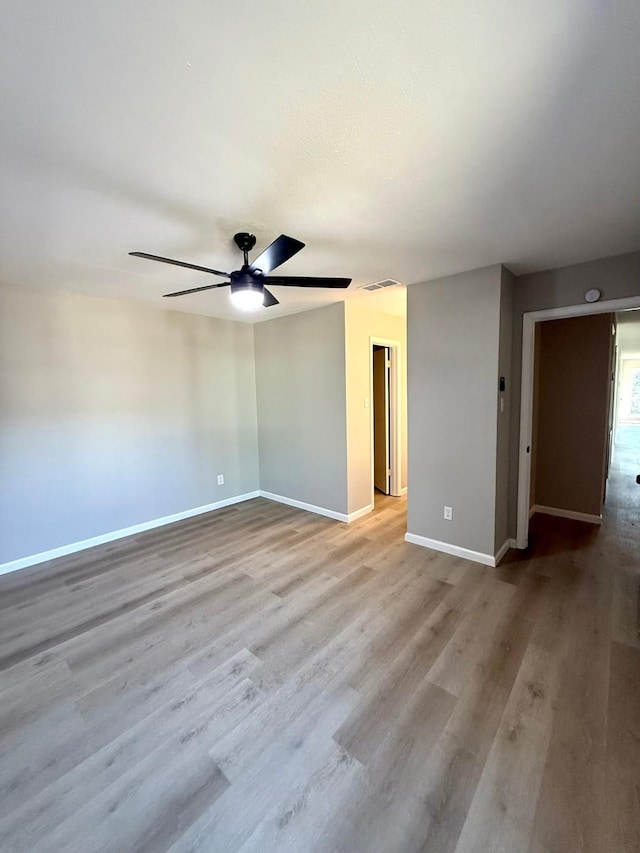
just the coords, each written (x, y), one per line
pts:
(448, 513)
(221, 479)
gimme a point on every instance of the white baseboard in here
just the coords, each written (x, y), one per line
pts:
(319, 510)
(403, 490)
(455, 550)
(502, 551)
(74, 547)
(64, 550)
(358, 513)
(568, 513)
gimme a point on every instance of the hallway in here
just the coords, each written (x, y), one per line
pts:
(596, 728)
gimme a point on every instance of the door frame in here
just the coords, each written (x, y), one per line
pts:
(529, 320)
(395, 419)
(385, 354)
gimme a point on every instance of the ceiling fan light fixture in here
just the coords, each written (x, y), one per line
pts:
(246, 297)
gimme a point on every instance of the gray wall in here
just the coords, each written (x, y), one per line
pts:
(453, 357)
(617, 277)
(301, 392)
(571, 419)
(113, 414)
(503, 449)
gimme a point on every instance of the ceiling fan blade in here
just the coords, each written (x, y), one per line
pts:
(178, 263)
(198, 289)
(307, 281)
(269, 299)
(277, 253)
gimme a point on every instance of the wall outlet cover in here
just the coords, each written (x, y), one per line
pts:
(221, 479)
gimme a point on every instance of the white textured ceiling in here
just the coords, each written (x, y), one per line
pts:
(403, 139)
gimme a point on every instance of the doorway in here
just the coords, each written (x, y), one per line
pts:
(531, 321)
(381, 367)
(571, 415)
(626, 413)
(385, 418)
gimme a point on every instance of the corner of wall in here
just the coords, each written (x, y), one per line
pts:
(452, 454)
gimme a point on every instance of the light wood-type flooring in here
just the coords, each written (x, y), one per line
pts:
(264, 679)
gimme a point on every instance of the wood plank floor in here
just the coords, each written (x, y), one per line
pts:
(263, 679)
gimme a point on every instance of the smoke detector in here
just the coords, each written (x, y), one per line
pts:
(378, 285)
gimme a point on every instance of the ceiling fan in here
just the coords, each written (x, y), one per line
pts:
(248, 291)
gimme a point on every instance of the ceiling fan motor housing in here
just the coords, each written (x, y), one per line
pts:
(245, 281)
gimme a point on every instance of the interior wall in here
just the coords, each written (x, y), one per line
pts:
(363, 321)
(453, 362)
(616, 277)
(113, 414)
(301, 397)
(176, 395)
(573, 412)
